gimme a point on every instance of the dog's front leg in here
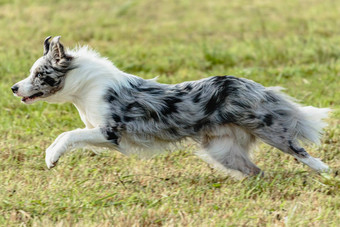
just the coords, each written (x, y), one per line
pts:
(73, 139)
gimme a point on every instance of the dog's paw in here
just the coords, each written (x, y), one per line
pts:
(57, 149)
(51, 159)
(53, 154)
(50, 164)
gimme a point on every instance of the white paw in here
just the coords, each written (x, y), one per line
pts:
(55, 150)
(323, 168)
(318, 165)
(52, 156)
(315, 164)
(50, 160)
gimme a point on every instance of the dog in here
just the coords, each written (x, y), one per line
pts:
(225, 115)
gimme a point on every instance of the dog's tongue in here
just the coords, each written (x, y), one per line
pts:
(24, 99)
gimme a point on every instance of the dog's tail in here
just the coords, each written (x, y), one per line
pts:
(307, 121)
(310, 123)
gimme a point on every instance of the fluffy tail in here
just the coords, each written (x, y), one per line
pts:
(310, 124)
(307, 121)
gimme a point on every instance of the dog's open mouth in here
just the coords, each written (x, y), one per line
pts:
(32, 97)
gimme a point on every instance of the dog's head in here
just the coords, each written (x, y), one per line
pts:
(47, 75)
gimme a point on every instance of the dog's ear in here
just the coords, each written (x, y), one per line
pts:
(57, 51)
(47, 45)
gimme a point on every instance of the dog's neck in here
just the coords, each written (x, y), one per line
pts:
(90, 75)
(86, 84)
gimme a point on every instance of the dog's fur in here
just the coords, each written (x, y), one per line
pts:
(224, 114)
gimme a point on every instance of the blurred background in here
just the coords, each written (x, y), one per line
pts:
(179, 40)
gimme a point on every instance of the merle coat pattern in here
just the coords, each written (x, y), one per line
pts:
(224, 114)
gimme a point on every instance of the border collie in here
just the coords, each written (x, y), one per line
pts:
(225, 115)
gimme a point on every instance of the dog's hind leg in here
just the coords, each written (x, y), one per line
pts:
(282, 124)
(300, 154)
(225, 151)
(291, 146)
(77, 139)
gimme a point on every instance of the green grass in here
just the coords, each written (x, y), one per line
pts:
(294, 44)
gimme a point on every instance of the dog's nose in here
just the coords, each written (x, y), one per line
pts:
(15, 88)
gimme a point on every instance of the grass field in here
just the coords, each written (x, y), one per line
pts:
(294, 44)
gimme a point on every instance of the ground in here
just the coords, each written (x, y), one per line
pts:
(293, 44)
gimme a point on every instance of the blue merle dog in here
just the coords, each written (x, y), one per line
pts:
(225, 115)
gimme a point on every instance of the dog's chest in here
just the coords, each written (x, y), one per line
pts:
(86, 121)
(90, 117)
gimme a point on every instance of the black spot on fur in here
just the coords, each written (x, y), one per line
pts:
(225, 85)
(211, 105)
(197, 98)
(170, 105)
(224, 117)
(173, 131)
(200, 124)
(251, 116)
(111, 96)
(136, 84)
(285, 129)
(188, 87)
(116, 118)
(150, 90)
(50, 81)
(154, 115)
(299, 151)
(217, 79)
(111, 134)
(127, 118)
(268, 119)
